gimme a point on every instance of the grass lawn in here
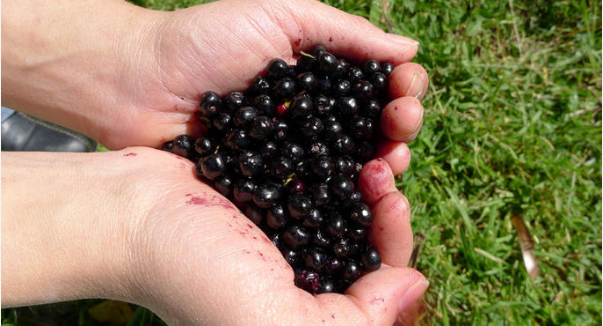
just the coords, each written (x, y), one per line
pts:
(512, 128)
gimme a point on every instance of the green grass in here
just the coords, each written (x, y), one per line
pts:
(512, 126)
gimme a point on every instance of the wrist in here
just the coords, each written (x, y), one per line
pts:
(65, 61)
(65, 228)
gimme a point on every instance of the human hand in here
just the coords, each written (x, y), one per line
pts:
(130, 76)
(135, 225)
(198, 260)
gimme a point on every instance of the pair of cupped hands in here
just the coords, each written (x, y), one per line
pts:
(135, 224)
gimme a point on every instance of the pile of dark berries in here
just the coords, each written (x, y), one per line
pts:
(288, 152)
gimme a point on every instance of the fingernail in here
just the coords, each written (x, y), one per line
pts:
(415, 89)
(413, 294)
(403, 40)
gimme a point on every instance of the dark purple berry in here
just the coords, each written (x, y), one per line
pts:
(315, 258)
(387, 67)
(320, 194)
(341, 249)
(347, 107)
(322, 166)
(260, 85)
(224, 184)
(299, 206)
(336, 225)
(276, 69)
(204, 146)
(261, 128)
(355, 75)
(370, 259)
(306, 81)
(351, 271)
(167, 146)
(233, 101)
(223, 122)
(312, 127)
(341, 187)
(183, 145)
(255, 214)
(264, 104)
(363, 90)
(362, 215)
(213, 166)
(314, 219)
(297, 187)
(244, 189)
(369, 67)
(321, 238)
(318, 148)
(210, 104)
(238, 139)
(327, 62)
(266, 196)
(276, 217)
(285, 88)
(245, 116)
(322, 106)
(281, 130)
(300, 108)
(296, 236)
(250, 163)
(281, 167)
(345, 145)
(342, 87)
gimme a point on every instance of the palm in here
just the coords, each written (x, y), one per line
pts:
(213, 54)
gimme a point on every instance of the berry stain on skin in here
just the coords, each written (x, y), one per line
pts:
(298, 42)
(377, 300)
(214, 202)
(130, 154)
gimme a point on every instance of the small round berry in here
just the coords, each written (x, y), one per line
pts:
(281, 167)
(261, 128)
(363, 90)
(296, 236)
(387, 67)
(370, 259)
(322, 106)
(183, 145)
(341, 71)
(275, 238)
(297, 187)
(292, 257)
(210, 104)
(355, 74)
(233, 101)
(303, 170)
(266, 196)
(268, 150)
(379, 82)
(238, 139)
(326, 286)
(308, 280)
(276, 69)
(334, 265)
(351, 271)
(224, 184)
(299, 206)
(245, 116)
(259, 85)
(336, 225)
(204, 146)
(320, 194)
(371, 110)
(344, 165)
(318, 148)
(315, 257)
(306, 63)
(306, 81)
(223, 122)
(341, 248)
(321, 238)
(358, 234)
(369, 67)
(362, 128)
(167, 146)
(312, 127)
(264, 104)
(281, 129)
(341, 186)
(345, 145)
(333, 131)
(342, 87)
(294, 151)
(314, 219)
(327, 62)
(318, 49)
(285, 88)
(322, 166)
(276, 217)
(255, 214)
(347, 106)
(362, 215)
(354, 200)
(244, 189)
(213, 166)
(300, 108)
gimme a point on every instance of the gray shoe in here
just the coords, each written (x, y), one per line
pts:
(22, 133)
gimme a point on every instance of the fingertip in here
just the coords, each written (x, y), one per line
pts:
(391, 233)
(383, 294)
(396, 154)
(376, 180)
(408, 79)
(401, 119)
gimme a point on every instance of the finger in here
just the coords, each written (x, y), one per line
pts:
(313, 23)
(402, 118)
(385, 294)
(396, 154)
(375, 181)
(408, 79)
(390, 232)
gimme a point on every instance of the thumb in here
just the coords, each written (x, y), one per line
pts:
(309, 22)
